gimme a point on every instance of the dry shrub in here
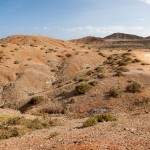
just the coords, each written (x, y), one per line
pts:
(93, 120)
(82, 88)
(134, 87)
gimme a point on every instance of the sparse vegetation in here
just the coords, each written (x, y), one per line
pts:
(119, 73)
(90, 72)
(16, 49)
(101, 54)
(122, 63)
(3, 45)
(82, 78)
(101, 69)
(114, 92)
(101, 75)
(35, 100)
(60, 56)
(90, 122)
(16, 62)
(64, 93)
(136, 60)
(144, 64)
(12, 126)
(134, 87)
(93, 120)
(122, 69)
(68, 55)
(83, 46)
(93, 83)
(82, 88)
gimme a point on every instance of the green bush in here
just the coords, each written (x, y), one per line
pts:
(93, 120)
(134, 87)
(114, 92)
(15, 126)
(8, 120)
(33, 124)
(90, 122)
(8, 132)
(82, 88)
(105, 118)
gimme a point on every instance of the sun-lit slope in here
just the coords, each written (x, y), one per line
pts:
(28, 70)
(76, 80)
(33, 40)
(30, 64)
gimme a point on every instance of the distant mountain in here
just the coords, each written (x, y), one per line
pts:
(89, 40)
(113, 37)
(122, 36)
(147, 38)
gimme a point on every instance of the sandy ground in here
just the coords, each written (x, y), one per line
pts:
(129, 132)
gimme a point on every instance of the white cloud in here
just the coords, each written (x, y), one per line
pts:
(146, 1)
(105, 30)
(45, 28)
(141, 19)
(41, 28)
(36, 28)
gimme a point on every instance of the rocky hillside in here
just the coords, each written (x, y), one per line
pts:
(89, 40)
(31, 64)
(123, 36)
(73, 95)
(116, 40)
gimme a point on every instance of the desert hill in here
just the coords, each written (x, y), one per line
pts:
(88, 40)
(123, 36)
(29, 68)
(147, 38)
(32, 40)
(115, 40)
(30, 64)
(81, 96)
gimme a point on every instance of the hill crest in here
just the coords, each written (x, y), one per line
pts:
(122, 36)
(30, 40)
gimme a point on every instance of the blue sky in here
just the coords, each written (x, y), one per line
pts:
(69, 19)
